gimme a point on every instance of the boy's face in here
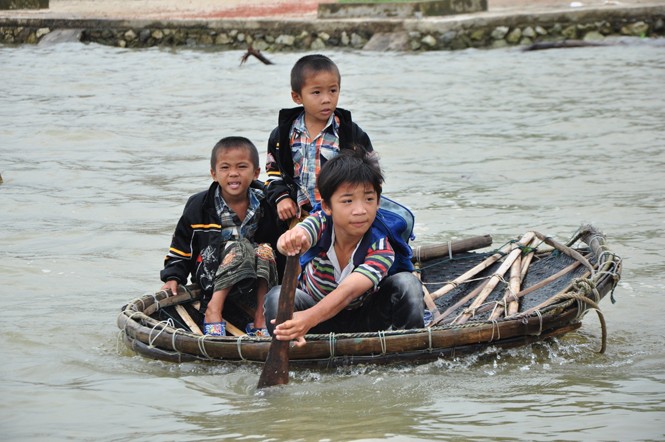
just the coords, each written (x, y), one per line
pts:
(234, 171)
(353, 208)
(319, 95)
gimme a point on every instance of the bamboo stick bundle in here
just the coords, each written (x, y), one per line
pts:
(496, 277)
(566, 250)
(473, 272)
(526, 259)
(536, 286)
(459, 303)
(517, 273)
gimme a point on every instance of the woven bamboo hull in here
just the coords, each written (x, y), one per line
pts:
(553, 310)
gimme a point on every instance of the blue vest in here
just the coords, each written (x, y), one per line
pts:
(393, 221)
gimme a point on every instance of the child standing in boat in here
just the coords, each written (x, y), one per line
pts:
(345, 286)
(225, 238)
(307, 136)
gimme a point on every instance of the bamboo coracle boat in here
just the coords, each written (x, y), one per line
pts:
(530, 289)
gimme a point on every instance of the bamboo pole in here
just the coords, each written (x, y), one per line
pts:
(235, 331)
(538, 285)
(526, 260)
(431, 251)
(472, 272)
(496, 277)
(460, 303)
(517, 273)
(193, 326)
(566, 250)
(513, 287)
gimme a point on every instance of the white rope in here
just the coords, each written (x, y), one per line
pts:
(450, 250)
(498, 331)
(239, 346)
(382, 340)
(173, 338)
(202, 347)
(540, 317)
(128, 319)
(331, 344)
(429, 338)
(164, 324)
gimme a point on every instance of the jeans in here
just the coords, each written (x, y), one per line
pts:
(397, 303)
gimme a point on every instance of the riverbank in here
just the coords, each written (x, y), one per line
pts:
(290, 25)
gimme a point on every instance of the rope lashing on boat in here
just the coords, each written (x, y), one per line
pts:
(129, 318)
(382, 340)
(163, 324)
(202, 345)
(498, 330)
(239, 346)
(587, 287)
(429, 339)
(540, 322)
(579, 297)
(331, 344)
(173, 339)
(603, 330)
(156, 302)
(613, 263)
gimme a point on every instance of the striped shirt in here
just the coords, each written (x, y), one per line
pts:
(310, 154)
(320, 276)
(232, 227)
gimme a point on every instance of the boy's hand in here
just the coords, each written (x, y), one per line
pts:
(171, 285)
(294, 329)
(293, 241)
(287, 209)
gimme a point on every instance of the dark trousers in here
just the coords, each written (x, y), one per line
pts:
(397, 303)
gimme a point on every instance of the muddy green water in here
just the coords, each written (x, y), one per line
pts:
(100, 148)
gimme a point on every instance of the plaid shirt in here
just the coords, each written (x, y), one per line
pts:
(309, 155)
(232, 227)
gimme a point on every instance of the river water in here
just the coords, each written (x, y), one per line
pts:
(100, 148)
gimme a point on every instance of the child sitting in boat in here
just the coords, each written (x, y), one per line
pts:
(345, 287)
(307, 136)
(225, 238)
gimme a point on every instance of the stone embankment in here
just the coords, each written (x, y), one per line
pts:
(412, 34)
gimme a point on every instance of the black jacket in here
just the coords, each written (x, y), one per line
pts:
(197, 242)
(280, 182)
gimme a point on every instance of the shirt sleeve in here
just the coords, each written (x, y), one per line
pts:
(379, 259)
(314, 225)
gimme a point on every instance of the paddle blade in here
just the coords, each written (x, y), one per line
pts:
(276, 369)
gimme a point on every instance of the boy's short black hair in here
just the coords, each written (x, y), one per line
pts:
(308, 64)
(235, 143)
(355, 166)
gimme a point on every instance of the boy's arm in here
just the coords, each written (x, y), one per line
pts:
(178, 260)
(353, 286)
(276, 188)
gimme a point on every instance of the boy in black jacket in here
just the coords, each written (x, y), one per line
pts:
(307, 136)
(226, 237)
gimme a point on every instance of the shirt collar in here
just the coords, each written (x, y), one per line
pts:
(255, 197)
(332, 125)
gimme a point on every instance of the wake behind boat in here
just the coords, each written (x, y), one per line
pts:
(528, 290)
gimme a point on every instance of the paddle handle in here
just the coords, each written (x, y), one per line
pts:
(276, 369)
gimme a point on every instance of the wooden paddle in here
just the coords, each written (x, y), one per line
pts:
(276, 369)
